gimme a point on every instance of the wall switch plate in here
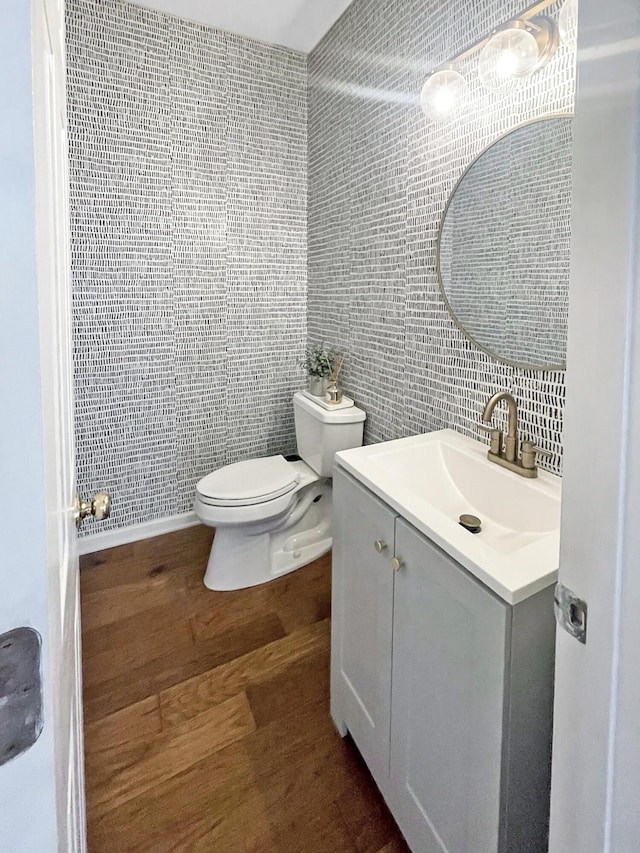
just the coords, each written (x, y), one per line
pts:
(21, 716)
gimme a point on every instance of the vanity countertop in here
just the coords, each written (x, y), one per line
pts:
(432, 479)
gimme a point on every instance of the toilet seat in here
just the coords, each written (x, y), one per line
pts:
(253, 481)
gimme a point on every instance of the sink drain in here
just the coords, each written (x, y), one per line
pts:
(471, 523)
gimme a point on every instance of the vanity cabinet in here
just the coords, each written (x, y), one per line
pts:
(446, 689)
(362, 621)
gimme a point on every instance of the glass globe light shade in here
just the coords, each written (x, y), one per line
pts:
(568, 23)
(507, 56)
(443, 93)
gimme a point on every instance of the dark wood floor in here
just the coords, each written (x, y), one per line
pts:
(207, 723)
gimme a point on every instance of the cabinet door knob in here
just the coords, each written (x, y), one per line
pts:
(380, 545)
(397, 563)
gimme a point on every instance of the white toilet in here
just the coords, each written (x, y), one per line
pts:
(272, 515)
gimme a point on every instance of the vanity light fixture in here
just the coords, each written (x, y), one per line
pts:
(512, 52)
(515, 51)
(443, 93)
(568, 23)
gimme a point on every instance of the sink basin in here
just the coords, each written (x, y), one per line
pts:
(432, 479)
(458, 478)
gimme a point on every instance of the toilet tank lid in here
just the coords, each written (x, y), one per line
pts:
(267, 476)
(351, 415)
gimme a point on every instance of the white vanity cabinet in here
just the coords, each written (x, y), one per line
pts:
(446, 689)
(362, 621)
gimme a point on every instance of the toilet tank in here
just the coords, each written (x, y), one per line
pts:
(321, 432)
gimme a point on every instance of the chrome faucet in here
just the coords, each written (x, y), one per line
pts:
(507, 456)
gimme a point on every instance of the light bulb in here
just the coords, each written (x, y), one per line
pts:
(442, 94)
(507, 63)
(444, 100)
(508, 55)
(568, 23)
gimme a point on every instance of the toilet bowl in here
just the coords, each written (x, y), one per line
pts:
(273, 515)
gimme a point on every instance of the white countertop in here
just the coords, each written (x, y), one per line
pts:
(431, 479)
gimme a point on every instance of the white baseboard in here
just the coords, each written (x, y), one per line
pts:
(124, 535)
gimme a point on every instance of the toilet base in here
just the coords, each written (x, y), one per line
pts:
(241, 558)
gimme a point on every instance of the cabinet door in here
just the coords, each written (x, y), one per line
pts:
(362, 619)
(447, 707)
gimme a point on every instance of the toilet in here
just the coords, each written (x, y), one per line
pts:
(273, 515)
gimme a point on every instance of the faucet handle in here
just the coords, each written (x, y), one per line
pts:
(495, 435)
(528, 451)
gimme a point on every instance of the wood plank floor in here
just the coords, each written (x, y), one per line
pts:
(207, 721)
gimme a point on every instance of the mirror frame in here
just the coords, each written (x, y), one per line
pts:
(452, 313)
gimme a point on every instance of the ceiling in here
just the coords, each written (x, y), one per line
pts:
(298, 24)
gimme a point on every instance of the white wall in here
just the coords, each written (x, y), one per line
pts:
(27, 797)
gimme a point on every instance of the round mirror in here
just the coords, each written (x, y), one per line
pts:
(503, 246)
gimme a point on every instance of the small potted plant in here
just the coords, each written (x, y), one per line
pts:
(318, 362)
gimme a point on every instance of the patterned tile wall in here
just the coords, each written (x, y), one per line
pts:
(188, 195)
(379, 179)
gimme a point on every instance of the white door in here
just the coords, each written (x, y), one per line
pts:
(54, 285)
(595, 793)
(41, 789)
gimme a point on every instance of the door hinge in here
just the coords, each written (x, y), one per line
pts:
(571, 612)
